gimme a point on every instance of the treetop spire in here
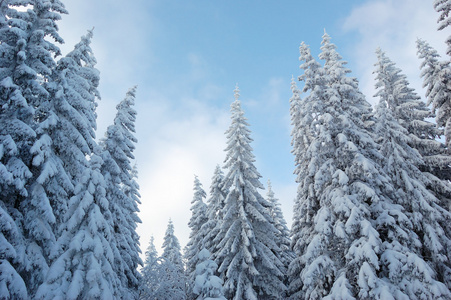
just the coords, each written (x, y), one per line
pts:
(237, 92)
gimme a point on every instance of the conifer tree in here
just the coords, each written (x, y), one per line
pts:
(207, 286)
(83, 268)
(122, 192)
(196, 237)
(341, 188)
(283, 235)
(444, 8)
(306, 117)
(150, 273)
(75, 95)
(171, 248)
(246, 252)
(172, 265)
(415, 256)
(214, 210)
(28, 160)
(412, 114)
(436, 77)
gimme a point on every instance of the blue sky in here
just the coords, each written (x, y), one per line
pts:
(187, 56)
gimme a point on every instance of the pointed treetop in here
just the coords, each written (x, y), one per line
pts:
(237, 92)
(326, 37)
(269, 185)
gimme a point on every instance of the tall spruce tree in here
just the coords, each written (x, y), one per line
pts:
(33, 179)
(246, 253)
(306, 118)
(415, 256)
(341, 189)
(412, 114)
(436, 75)
(16, 137)
(122, 192)
(75, 98)
(197, 235)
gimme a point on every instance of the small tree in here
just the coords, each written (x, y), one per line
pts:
(150, 275)
(283, 235)
(207, 285)
(197, 235)
(172, 264)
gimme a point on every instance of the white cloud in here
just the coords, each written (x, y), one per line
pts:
(175, 144)
(394, 26)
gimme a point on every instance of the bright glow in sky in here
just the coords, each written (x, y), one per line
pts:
(187, 56)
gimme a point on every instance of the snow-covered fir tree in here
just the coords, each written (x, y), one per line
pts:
(414, 249)
(207, 285)
(150, 273)
(171, 247)
(16, 136)
(341, 185)
(247, 255)
(171, 284)
(32, 178)
(283, 235)
(412, 114)
(305, 116)
(75, 98)
(444, 8)
(214, 210)
(196, 237)
(118, 145)
(83, 268)
(172, 263)
(436, 77)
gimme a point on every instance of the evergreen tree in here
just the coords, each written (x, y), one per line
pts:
(207, 285)
(444, 8)
(283, 236)
(150, 279)
(83, 267)
(306, 118)
(172, 265)
(246, 248)
(415, 256)
(122, 192)
(436, 77)
(412, 114)
(171, 282)
(341, 188)
(75, 98)
(171, 248)
(214, 210)
(28, 160)
(196, 237)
